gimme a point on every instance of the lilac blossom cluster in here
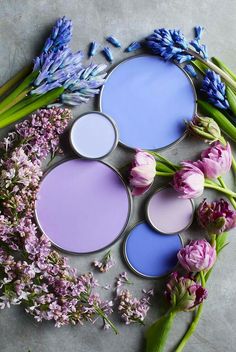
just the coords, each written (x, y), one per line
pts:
(105, 264)
(32, 273)
(131, 309)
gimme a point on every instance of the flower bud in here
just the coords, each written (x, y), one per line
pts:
(184, 293)
(205, 127)
(197, 256)
(216, 217)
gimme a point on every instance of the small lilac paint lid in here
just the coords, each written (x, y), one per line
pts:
(82, 205)
(168, 213)
(93, 135)
(149, 253)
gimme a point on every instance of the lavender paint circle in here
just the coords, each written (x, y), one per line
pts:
(82, 206)
(168, 213)
(149, 99)
(93, 135)
(150, 253)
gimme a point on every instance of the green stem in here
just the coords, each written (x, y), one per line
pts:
(164, 160)
(22, 104)
(213, 185)
(195, 322)
(14, 80)
(104, 316)
(215, 68)
(165, 174)
(223, 184)
(225, 125)
(43, 100)
(25, 84)
(13, 102)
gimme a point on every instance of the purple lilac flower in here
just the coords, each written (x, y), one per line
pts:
(93, 47)
(133, 47)
(107, 54)
(132, 309)
(114, 41)
(105, 264)
(31, 273)
(215, 90)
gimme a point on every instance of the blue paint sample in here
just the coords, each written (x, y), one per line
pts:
(151, 253)
(149, 99)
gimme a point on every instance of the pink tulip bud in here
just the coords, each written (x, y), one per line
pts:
(142, 173)
(216, 217)
(216, 160)
(197, 256)
(189, 181)
(184, 293)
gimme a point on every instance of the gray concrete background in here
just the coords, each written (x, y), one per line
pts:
(24, 25)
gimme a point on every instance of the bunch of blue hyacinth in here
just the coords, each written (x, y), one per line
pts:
(58, 75)
(219, 82)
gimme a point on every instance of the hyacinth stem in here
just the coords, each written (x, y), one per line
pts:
(14, 80)
(22, 86)
(195, 322)
(215, 68)
(104, 316)
(13, 102)
(43, 100)
(22, 104)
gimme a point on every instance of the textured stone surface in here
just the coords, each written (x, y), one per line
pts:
(24, 24)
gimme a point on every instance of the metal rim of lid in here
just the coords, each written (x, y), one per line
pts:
(131, 267)
(156, 228)
(115, 130)
(129, 213)
(194, 93)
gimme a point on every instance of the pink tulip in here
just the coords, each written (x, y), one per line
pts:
(189, 181)
(197, 256)
(142, 173)
(216, 217)
(216, 160)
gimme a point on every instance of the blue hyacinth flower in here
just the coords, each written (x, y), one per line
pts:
(215, 90)
(108, 54)
(190, 70)
(93, 47)
(133, 47)
(114, 41)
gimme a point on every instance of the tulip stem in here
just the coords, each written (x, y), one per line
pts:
(231, 199)
(165, 174)
(195, 322)
(213, 185)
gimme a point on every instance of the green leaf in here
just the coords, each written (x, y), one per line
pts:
(43, 100)
(224, 124)
(221, 241)
(157, 334)
(231, 97)
(200, 66)
(223, 67)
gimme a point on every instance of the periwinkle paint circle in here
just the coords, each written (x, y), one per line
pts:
(149, 99)
(150, 253)
(82, 206)
(168, 213)
(93, 135)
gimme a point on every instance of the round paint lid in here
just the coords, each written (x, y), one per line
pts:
(149, 253)
(149, 99)
(93, 135)
(168, 213)
(77, 205)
